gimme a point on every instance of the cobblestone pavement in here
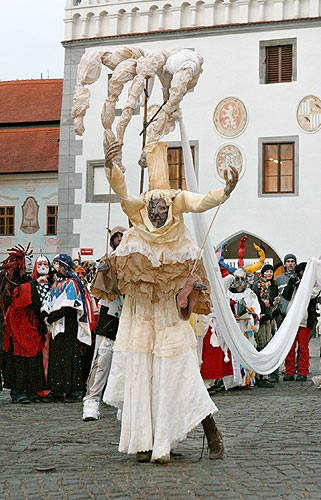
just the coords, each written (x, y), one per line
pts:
(272, 440)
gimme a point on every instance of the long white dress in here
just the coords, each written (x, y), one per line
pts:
(155, 378)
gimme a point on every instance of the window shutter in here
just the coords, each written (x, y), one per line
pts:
(279, 64)
(286, 63)
(272, 64)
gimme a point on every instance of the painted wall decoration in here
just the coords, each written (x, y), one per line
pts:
(309, 113)
(30, 209)
(228, 156)
(230, 117)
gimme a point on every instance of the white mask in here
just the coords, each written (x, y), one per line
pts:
(42, 266)
(28, 264)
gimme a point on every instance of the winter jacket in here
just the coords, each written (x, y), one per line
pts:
(310, 314)
(281, 282)
(266, 312)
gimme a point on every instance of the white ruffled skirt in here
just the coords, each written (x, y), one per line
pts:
(155, 378)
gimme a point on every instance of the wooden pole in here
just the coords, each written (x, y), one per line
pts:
(141, 187)
(108, 216)
(153, 118)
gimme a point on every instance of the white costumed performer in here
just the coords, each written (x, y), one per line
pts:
(155, 378)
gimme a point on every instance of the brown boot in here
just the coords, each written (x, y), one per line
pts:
(143, 456)
(214, 438)
(163, 460)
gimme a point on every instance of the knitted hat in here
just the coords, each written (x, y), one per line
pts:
(267, 267)
(289, 256)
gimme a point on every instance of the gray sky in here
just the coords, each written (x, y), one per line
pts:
(30, 36)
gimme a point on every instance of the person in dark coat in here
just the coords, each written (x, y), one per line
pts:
(68, 319)
(267, 293)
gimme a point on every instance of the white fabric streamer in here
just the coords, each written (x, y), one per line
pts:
(273, 355)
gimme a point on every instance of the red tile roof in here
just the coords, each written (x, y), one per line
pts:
(24, 101)
(25, 150)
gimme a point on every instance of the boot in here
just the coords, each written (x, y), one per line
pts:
(143, 456)
(214, 438)
(163, 460)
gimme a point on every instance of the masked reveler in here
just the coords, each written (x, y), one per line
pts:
(42, 267)
(67, 313)
(24, 328)
(110, 311)
(216, 356)
(219, 366)
(246, 309)
(155, 378)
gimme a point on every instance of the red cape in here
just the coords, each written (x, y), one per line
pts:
(213, 365)
(21, 324)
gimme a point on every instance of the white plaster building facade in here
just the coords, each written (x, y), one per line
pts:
(233, 36)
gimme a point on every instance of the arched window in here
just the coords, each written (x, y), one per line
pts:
(90, 29)
(135, 21)
(122, 22)
(104, 23)
(167, 19)
(76, 31)
(186, 15)
(200, 17)
(153, 18)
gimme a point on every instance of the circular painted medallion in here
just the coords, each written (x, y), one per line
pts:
(228, 156)
(309, 113)
(230, 117)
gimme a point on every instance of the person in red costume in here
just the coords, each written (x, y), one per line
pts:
(24, 329)
(216, 357)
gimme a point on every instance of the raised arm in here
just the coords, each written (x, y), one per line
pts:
(129, 203)
(194, 202)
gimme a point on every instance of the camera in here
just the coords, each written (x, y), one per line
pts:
(295, 279)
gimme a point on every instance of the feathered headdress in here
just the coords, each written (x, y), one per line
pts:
(11, 273)
(15, 263)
